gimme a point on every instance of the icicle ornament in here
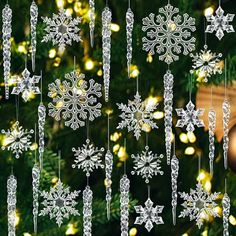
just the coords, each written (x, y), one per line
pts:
(11, 204)
(106, 48)
(226, 213)
(212, 127)
(87, 211)
(6, 45)
(168, 108)
(226, 117)
(129, 29)
(33, 26)
(91, 21)
(124, 205)
(35, 185)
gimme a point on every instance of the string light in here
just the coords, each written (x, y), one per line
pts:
(17, 218)
(122, 154)
(183, 138)
(52, 53)
(133, 232)
(115, 137)
(189, 151)
(60, 3)
(208, 11)
(191, 137)
(205, 233)
(232, 220)
(57, 61)
(89, 64)
(27, 234)
(99, 73)
(115, 27)
(134, 72)
(116, 148)
(71, 229)
(149, 58)
(158, 115)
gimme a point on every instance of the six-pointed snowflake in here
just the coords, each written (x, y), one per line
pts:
(75, 100)
(135, 115)
(206, 63)
(147, 164)
(169, 33)
(26, 85)
(88, 158)
(17, 139)
(190, 117)
(61, 29)
(149, 215)
(199, 204)
(220, 23)
(59, 203)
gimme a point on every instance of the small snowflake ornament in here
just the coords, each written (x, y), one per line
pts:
(17, 139)
(74, 100)
(147, 164)
(26, 85)
(61, 29)
(190, 117)
(206, 63)
(59, 203)
(220, 23)
(199, 204)
(88, 158)
(135, 115)
(149, 215)
(169, 34)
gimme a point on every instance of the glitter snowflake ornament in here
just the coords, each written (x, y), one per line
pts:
(88, 158)
(147, 164)
(59, 203)
(206, 63)
(75, 100)
(190, 117)
(199, 204)
(220, 23)
(26, 85)
(169, 33)
(136, 115)
(149, 215)
(17, 139)
(61, 29)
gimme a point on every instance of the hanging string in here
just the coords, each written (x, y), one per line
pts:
(87, 181)
(106, 3)
(87, 128)
(199, 166)
(168, 1)
(125, 159)
(35, 140)
(205, 34)
(225, 77)
(168, 66)
(128, 3)
(146, 138)
(74, 62)
(26, 61)
(174, 144)
(225, 185)
(108, 131)
(219, 2)
(41, 85)
(59, 164)
(17, 107)
(190, 88)
(148, 191)
(211, 97)
(137, 88)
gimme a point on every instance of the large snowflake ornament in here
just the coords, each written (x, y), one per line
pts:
(147, 164)
(26, 85)
(136, 115)
(17, 139)
(88, 158)
(220, 23)
(206, 63)
(199, 204)
(149, 215)
(61, 29)
(59, 203)
(190, 117)
(169, 34)
(75, 101)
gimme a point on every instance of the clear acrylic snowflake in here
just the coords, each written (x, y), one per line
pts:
(220, 23)
(59, 203)
(88, 158)
(206, 63)
(135, 115)
(61, 29)
(199, 204)
(147, 164)
(190, 117)
(169, 33)
(149, 215)
(26, 85)
(75, 101)
(17, 139)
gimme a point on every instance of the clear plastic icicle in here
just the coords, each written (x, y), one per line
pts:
(91, 21)
(226, 212)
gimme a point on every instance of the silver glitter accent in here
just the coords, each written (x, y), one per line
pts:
(92, 21)
(6, 45)
(106, 48)
(226, 213)
(87, 211)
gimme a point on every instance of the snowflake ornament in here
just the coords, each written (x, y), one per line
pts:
(88, 158)
(206, 63)
(190, 117)
(136, 115)
(59, 203)
(61, 29)
(169, 34)
(75, 100)
(149, 215)
(147, 164)
(220, 23)
(26, 85)
(17, 139)
(199, 204)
